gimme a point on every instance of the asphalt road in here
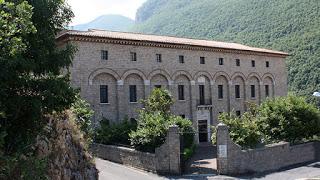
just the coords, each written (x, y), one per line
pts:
(113, 171)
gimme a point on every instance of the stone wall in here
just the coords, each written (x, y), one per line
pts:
(233, 160)
(165, 160)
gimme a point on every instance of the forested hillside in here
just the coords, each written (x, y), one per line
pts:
(288, 25)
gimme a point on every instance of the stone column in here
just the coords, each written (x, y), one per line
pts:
(147, 89)
(120, 100)
(222, 148)
(212, 114)
(171, 89)
(229, 94)
(174, 150)
(194, 109)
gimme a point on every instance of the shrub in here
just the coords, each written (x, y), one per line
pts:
(84, 115)
(213, 135)
(289, 119)
(151, 131)
(188, 152)
(155, 120)
(243, 130)
(114, 133)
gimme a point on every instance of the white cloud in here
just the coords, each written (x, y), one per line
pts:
(87, 10)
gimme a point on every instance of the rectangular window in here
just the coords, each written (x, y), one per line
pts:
(181, 92)
(238, 62)
(253, 91)
(220, 91)
(157, 86)
(201, 94)
(238, 113)
(202, 60)
(267, 64)
(220, 61)
(133, 56)
(104, 55)
(266, 87)
(181, 59)
(104, 94)
(133, 93)
(253, 63)
(237, 91)
(159, 58)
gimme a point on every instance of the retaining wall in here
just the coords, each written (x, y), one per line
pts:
(233, 160)
(165, 160)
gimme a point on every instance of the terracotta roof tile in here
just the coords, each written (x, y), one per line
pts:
(167, 39)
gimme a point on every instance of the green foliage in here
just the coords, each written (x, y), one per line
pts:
(213, 135)
(84, 115)
(160, 100)
(117, 134)
(30, 65)
(151, 131)
(154, 122)
(289, 118)
(188, 152)
(243, 130)
(287, 25)
(19, 166)
(15, 22)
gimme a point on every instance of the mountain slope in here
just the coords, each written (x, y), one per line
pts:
(287, 25)
(108, 22)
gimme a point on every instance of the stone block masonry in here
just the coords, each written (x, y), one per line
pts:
(233, 160)
(165, 160)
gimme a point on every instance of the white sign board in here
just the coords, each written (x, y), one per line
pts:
(203, 115)
(222, 151)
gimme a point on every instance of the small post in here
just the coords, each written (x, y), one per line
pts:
(174, 150)
(222, 148)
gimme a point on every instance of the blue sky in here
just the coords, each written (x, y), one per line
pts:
(87, 10)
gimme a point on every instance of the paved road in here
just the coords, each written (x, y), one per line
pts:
(113, 171)
(203, 161)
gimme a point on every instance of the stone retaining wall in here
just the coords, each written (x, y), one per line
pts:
(165, 160)
(233, 160)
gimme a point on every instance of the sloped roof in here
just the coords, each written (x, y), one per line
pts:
(166, 40)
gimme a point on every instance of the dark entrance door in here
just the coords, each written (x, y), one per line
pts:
(203, 131)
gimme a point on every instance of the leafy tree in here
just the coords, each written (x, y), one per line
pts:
(289, 119)
(160, 101)
(154, 122)
(243, 130)
(30, 65)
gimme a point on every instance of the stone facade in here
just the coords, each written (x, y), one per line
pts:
(231, 159)
(89, 71)
(165, 160)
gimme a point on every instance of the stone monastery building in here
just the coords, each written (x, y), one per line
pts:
(115, 69)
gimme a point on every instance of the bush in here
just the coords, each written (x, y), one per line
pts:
(243, 130)
(188, 152)
(84, 115)
(117, 134)
(289, 119)
(155, 120)
(213, 135)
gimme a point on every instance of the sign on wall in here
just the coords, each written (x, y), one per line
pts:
(203, 115)
(222, 151)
